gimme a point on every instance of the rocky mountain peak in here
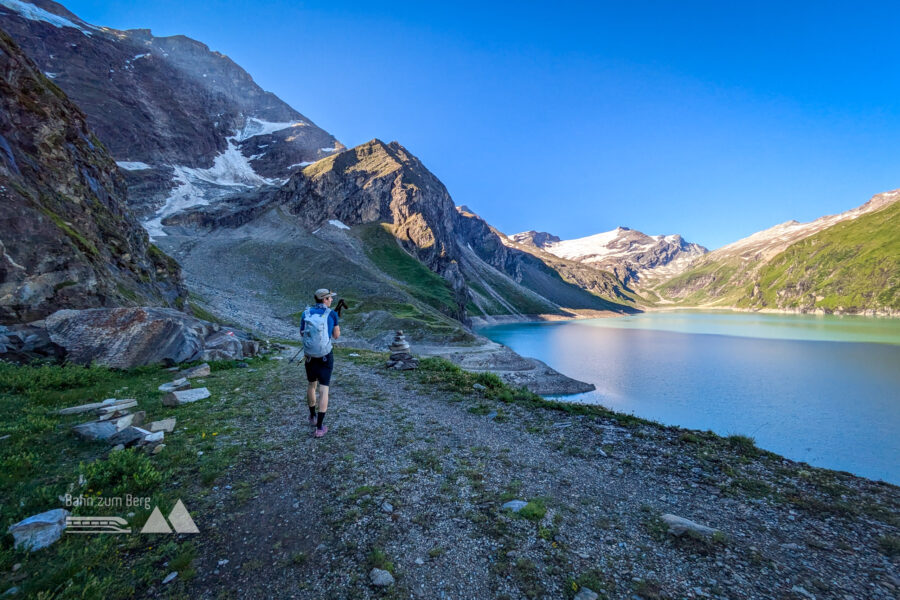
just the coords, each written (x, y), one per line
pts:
(538, 239)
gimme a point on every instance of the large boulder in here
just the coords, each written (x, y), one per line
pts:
(131, 337)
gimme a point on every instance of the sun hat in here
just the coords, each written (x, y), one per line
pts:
(321, 293)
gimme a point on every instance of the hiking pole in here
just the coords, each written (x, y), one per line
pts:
(296, 355)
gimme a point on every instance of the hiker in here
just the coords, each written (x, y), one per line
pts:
(318, 326)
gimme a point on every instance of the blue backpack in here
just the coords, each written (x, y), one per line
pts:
(316, 336)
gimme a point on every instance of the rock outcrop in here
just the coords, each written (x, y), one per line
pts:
(131, 337)
(67, 239)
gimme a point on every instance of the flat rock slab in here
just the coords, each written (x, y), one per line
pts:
(175, 386)
(96, 430)
(586, 594)
(185, 397)
(74, 410)
(678, 526)
(39, 531)
(198, 371)
(166, 425)
(156, 436)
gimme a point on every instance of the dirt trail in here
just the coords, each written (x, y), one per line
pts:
(309, 518)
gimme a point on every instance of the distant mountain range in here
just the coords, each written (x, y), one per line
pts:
(627, 253)
(260, 207)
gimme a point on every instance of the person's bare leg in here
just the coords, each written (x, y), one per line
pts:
(323, 398)
(311, 394)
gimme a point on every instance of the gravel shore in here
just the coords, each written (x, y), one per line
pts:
(412, 479)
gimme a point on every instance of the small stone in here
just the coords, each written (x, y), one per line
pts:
(601, 452)
(123, 422)
(678, 526)
(16, 567)
(10, 592)
(802, 591)
(514, 505)
(118, 448)
(158, 448)
(478, 386)
(387, 507)
(198, 371)
(381, 578)
(128, 436)
(353, 354)
(39, 531)
(185, 397)
(420, 561)
(620, 471)
(167, 425)
(95, 430)
(223, 562)
(156, 436)
(586, 594)
(175, 386)
(170, 577)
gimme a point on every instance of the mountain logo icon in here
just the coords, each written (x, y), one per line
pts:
(180, 519)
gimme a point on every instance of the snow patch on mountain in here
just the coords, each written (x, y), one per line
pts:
(254, 127)
(133, 165)
(338, 224)
(35, 13)
(231, 171)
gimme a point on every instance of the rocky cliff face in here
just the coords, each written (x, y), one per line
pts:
(66, 236)
(627, 253)
(186, 124)
(378, 182)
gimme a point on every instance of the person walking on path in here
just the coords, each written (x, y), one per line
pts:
(318, 327)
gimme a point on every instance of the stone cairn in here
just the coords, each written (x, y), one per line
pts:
(401, 359)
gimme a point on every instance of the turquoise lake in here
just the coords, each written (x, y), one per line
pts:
(819, 389)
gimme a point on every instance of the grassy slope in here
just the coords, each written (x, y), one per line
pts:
(42, 460)
(854, 265)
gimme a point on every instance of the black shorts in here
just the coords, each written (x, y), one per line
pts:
(319, 369)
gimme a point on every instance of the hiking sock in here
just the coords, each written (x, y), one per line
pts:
(312, 411)
(319, 418)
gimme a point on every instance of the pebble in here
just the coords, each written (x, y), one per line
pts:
(170, 577)
(420, 561)
(514, 505)
(387, 507)
(381, 578)
(586, 594)
(478, 386)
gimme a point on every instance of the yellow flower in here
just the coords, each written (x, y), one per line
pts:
(216, 433)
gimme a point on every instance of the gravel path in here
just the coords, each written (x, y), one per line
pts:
(412, 479)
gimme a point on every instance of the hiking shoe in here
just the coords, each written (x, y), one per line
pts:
(321, 432)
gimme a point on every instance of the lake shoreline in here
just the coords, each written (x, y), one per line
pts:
(659, 369)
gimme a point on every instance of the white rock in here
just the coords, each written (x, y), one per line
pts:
(39, 531)
(381, 578)
(156, 436)
(167, 425)
(514, 505)
(170, 576)
(185, 397)
(387, 507)
(158, 448)
(678, 526)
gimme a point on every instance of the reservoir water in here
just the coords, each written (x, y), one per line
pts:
(819, 389)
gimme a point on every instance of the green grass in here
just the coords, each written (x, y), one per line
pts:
(42, 459)
(854, 265)
(423, 284)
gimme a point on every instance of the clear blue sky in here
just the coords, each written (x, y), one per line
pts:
(709, 119)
